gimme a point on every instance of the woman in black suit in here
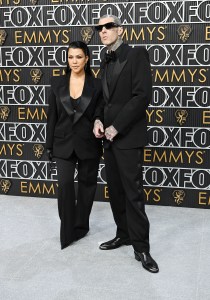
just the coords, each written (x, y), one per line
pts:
(74, 101)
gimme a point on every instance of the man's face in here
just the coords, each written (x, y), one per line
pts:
(109, 36)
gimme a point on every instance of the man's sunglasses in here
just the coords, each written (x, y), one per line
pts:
(107, 26)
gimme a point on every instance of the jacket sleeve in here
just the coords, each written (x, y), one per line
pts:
(135, 108)
(99, 110)
(51, 120)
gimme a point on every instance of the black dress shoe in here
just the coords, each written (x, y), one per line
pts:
(115, 243)
(147, 261)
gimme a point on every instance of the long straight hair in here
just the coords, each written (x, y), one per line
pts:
(85, 49)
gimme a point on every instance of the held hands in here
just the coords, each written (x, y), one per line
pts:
(98, 129)
(110, 133)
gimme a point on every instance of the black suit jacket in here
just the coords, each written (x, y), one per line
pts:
(128, 97)
(67, 130)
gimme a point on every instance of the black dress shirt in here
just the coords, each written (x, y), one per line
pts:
(110, 66)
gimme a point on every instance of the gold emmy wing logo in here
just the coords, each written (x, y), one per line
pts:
(5, 185)
(181, 116)
(184, 32)
(179, 196)
(34, 2)
(38, 150)
(36, 75)
(4, 112)
(3, 35)
(86, 33)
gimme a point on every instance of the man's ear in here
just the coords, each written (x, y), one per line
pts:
(120, 31)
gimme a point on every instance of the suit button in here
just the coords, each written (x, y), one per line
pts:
(109, 105)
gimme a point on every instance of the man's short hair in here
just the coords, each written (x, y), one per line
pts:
(116, 19)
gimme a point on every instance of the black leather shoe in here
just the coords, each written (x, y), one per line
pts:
(147, 261)
(115, 243)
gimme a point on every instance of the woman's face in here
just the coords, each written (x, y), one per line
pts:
(77, 60)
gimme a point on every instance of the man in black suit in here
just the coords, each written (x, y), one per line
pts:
(127, 88)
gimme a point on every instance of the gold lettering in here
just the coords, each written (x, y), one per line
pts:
(8, 74)
(95, 73)
(151, 32)
(156, 193)
(203, 75)
(17, 76)
(162, 34)
(11, 148)
(58, 72)
(40, 188)
(206, 117)
(26, 114)
(203, 198)
(65, 32)
(192, 74)
(159, 114)
(36, 114)
(163, 157)
(51, 189)
(125, 34)
(3, 150)
(47, 37)
(133, 33)
(106, 193)
(198, 154)
(56, 34)
(175, 159)
(18, 36)
(207, 35)
(152, 194)
(149, 114)
(158, 76)
(23, 37)
(34, 190)
(147, 155)
(189, 156)
(23, 187)
(182, 75)
(20, 112)
(31, 38)
(147, 193)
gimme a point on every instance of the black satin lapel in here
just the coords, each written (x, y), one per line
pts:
(104, 84)
(86, 97)
(65, 98)
(116, 72)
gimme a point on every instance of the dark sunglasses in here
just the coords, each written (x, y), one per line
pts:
(107, 26)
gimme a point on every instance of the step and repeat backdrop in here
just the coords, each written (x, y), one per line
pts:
(34, 35)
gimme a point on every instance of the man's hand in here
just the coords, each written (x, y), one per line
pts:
(98, 129)
(110, 133)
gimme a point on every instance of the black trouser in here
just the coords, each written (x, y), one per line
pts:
(74, 215)
(125, 186)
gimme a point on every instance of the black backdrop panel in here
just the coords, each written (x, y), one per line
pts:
(34, 35)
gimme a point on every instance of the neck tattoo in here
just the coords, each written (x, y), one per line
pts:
(114, 46)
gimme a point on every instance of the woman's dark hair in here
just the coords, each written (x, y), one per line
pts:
(84, 48)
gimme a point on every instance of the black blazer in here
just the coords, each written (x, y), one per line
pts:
(69, 131)
(128, 97)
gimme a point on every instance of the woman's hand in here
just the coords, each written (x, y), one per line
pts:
(98, 129)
